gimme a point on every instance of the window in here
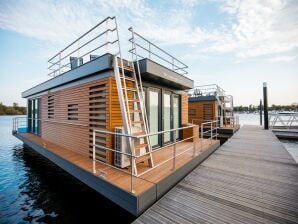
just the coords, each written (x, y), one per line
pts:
(73, 112)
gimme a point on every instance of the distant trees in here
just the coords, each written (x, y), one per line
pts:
(253, 108)
(15, 109)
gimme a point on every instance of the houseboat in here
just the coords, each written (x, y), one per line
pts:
(118, 125)
(210, 105)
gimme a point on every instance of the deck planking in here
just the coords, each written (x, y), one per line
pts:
(123, 180)
(250, 179)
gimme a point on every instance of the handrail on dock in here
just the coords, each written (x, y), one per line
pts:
(283, 120)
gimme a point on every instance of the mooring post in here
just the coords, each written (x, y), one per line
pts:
(261, 113)
(265, 106)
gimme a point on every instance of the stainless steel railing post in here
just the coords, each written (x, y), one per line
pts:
(174, 151)
(132, 170)
(194, 141)
(216, 132)
(93, 153)
(202, 136)
(211, 132)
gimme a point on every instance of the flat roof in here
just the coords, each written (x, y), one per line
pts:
(150, 72)
(95, 66)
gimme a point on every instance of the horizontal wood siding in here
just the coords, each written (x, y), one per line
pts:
(70, 115)
(202, 111)
(184, 108)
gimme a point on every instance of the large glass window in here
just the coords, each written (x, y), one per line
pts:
(167, 116)
(163, 110)
(154, 115)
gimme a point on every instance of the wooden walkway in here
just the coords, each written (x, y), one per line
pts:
(250, 179)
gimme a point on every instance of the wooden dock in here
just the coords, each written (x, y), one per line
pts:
(250, 179)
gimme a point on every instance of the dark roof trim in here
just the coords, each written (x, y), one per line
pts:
(97, 65)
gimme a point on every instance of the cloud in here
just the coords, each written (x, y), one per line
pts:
(261, 28)
(282, 59)
(254, 28)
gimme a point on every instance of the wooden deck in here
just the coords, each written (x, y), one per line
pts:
(250, 179)
(123, 180)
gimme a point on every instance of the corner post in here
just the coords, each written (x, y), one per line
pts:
(174, 151)
(261, 113)
(265, 106)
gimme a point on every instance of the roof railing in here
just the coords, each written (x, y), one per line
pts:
(86, 48)
(155, 53)
(207, 90)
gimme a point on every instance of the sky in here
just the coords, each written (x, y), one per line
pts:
(235, 44)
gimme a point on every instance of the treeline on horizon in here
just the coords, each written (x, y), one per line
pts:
(15, 109)
(255, 108)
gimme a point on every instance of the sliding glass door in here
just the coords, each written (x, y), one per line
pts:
(163, 109)
(167, 124)
(34, 122)
(154, 115)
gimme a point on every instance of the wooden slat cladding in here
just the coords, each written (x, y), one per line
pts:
(75, 114)
(184, 108)
(51, 106)
(81, 109)
(98, 110)
(202, 111)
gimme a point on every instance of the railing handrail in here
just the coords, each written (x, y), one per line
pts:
(142, 136)
(182, 66)
(80, 37)
(145, 135)
(278, 118)
(57, 63)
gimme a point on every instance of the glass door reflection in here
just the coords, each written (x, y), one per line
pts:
(166, 117)
(154, 114)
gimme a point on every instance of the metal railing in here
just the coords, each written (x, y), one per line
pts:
(194, 137)
(209, 130)
(149, 50)
(224, 100)
(206, 90)
(221, 121)
(283, 120)
(229, 121)
(86, 48)
(19, 124)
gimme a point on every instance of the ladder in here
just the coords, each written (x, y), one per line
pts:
(133, 112)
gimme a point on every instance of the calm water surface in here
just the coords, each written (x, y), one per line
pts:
(34, 190)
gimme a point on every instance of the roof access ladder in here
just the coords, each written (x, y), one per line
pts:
(133, 110)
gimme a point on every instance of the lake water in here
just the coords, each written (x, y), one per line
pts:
(32, 189)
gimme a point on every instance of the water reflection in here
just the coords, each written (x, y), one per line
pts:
(33, 189)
